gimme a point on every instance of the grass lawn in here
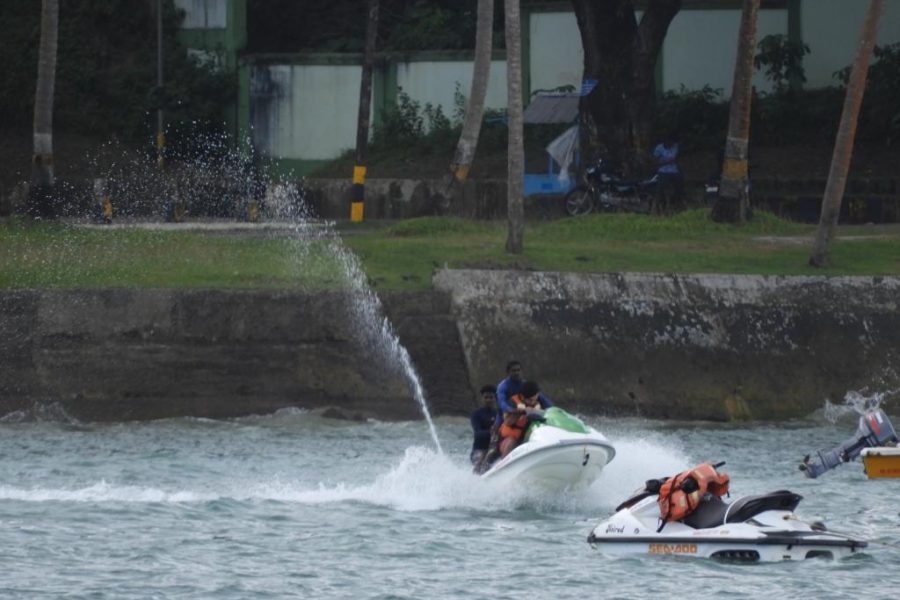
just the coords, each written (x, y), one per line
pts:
(402, 255)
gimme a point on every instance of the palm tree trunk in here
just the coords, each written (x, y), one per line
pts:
(42, 178)
(362, 124)
(515, 163)
(843, 143)
(481, 69)
(733, 202)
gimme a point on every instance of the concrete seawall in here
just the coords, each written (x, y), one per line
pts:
(689, 346)
(144, 354)
(682, 346)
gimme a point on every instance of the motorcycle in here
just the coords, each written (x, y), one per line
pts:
(604, 189)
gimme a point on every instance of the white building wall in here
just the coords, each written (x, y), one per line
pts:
(831, 30)
(557, 58)
(203, 14)
(311, 112)
(435, 82)
(701, 47)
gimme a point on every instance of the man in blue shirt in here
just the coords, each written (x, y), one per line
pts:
(511, 386)
(482, 421)
(671, 181)
(508, 388)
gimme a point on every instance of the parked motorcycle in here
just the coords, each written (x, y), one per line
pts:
(604, 189)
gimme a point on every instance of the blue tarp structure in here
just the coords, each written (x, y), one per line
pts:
(554, 108)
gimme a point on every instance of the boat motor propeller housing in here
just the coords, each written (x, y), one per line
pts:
(874, 429)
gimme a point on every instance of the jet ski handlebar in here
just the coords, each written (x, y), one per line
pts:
(875, 429)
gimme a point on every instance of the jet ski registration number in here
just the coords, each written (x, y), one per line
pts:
(672, 548)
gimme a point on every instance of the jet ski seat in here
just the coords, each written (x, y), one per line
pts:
(713, 512)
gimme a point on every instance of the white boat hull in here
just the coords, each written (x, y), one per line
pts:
(555, 460)
(772, 536)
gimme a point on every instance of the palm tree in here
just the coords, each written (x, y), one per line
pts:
(515, 163)
(468, 139)
(362, 125)
(42, 178)
(733, 202)
(843, 143)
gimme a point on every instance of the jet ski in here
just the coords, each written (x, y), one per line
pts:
(558, 452)
(759, 528)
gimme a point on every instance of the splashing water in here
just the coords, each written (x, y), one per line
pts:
(213, 179)
(376, 329)
(288, 202)
(855, 403)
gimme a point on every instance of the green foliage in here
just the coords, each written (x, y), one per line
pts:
(339, 25)
(881, 109)
(106, 69)
(409, 125)
(782, 59)
(408, 121)
(796, 116)
(697, 117)
(879, 118)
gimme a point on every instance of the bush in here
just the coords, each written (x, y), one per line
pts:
(699, 118)
(106, 70)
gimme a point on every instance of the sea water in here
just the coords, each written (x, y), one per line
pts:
(293, 505)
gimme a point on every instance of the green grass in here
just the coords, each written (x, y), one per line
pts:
(60, 256)
(403, 255)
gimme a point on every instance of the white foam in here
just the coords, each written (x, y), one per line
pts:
(422, 479)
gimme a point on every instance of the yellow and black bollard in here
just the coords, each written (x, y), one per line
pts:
(103, 210)
(357, 194)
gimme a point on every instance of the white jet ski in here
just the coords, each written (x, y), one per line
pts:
(759, 528)
(558, 452)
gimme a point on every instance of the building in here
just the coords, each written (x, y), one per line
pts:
(300, 110)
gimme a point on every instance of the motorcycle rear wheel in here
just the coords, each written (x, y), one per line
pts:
(579, 201)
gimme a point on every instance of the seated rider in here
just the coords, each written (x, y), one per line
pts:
(506, 389)
(482, 421)
(527, 405)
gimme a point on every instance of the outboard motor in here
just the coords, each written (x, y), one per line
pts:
(874, 429)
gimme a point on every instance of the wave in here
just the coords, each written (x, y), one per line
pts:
(419, 480)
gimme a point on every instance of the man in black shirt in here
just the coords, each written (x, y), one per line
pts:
(482, 421)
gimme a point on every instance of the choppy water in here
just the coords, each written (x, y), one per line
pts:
(295, 506)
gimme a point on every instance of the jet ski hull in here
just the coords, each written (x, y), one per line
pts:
(558, 466)
(560, 452)
(770, 536)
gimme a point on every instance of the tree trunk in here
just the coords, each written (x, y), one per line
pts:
(733, 202)
(515, 163)
(468, 139)
(362, 124)
(621, 54)
(42, 179)
(843, 144)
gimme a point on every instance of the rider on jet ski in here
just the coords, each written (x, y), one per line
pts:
(506, 390)
(524, 407)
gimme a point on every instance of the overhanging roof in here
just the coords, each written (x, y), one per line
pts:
(552, 108)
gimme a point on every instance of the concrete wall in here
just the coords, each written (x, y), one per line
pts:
(687, 61)
(145, 354)
(304, 111)
(203, 14)
(436, 82)
(831, 29)
(682, 346)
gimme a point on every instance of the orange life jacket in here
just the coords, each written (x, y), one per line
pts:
(514, 424)
(675, 503)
